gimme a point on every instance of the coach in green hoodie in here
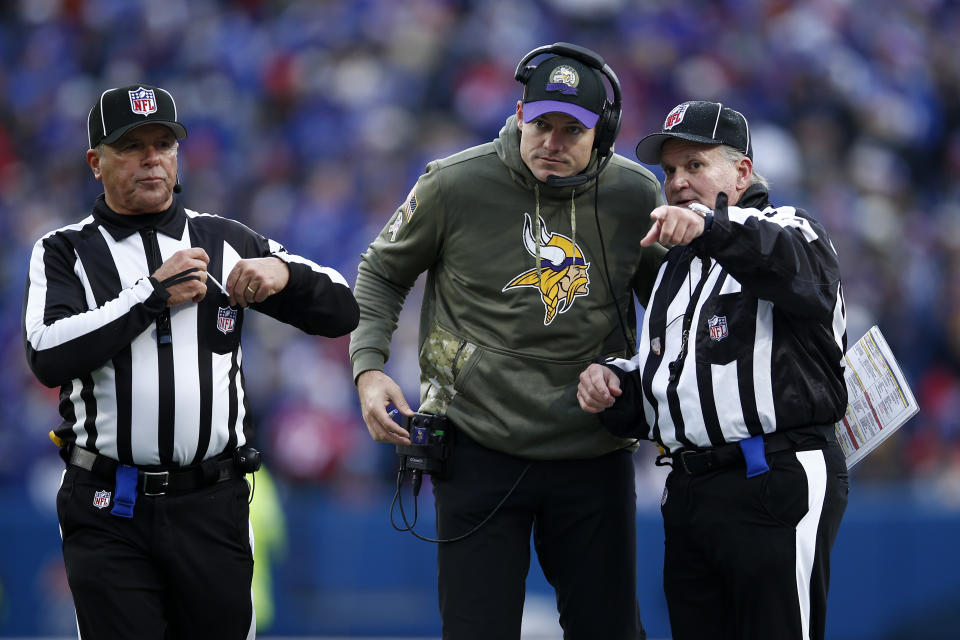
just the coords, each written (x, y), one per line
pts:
(531, 244)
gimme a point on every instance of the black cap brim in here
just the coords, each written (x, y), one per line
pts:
(649, 148)
(178, 130)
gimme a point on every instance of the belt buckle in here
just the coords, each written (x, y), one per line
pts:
(683, 460)
(164, 479)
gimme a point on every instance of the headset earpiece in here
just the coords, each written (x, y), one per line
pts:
(523, 74)
(607, 128)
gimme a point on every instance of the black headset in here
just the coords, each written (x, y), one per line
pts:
(608, 125)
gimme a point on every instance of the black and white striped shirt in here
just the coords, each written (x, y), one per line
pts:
(90, 327)
(759, 300)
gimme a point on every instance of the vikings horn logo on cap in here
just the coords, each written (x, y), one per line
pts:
(564, 79)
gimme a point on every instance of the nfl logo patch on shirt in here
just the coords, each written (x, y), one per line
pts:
(226, 319)
(718, 327)
(143, 101)
(101, 499)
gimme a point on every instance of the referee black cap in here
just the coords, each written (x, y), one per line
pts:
(699, 121)
(124, 108)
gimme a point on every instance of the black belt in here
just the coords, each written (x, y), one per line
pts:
(697, 461)
(157, 483)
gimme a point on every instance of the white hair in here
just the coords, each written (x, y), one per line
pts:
(734, 156)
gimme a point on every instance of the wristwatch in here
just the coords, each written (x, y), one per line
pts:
(704, 212)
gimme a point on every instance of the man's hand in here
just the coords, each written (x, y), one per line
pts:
(256, 279)
(598, 389)
(184, 260)
(673, 226)
(376, 390)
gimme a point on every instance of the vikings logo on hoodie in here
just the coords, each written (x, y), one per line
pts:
(562, 273)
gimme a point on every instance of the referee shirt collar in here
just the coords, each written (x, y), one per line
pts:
(755, 197)
(169, 222)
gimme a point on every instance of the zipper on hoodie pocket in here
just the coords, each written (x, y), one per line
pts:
(455, 365)
(464, 364)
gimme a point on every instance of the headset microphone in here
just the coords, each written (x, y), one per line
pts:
(177, 188)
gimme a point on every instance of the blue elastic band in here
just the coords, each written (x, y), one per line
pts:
(125, 493)
(755, 455)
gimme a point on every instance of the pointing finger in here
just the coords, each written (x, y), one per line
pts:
(652, 235)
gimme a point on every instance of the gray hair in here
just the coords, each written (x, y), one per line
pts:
(734, 156)
(99, 148)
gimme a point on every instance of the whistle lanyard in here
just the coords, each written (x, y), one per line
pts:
(154, 260)
(676, 366)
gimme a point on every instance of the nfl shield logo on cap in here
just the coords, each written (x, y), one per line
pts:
(675, 117)
(143, 101)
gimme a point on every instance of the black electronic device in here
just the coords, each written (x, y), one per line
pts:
(431, 438)
(429, 448)
(247, 459)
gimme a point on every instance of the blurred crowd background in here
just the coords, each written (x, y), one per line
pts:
(310, 121)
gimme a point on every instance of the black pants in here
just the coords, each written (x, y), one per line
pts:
(179, 569)
(583, 517)
(749, 558)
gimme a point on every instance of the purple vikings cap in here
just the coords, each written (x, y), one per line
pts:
(567, 86)
(124, 108)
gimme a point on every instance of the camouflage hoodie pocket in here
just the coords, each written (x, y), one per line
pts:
(446, 361)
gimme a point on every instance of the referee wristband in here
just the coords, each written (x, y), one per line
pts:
(159, 288)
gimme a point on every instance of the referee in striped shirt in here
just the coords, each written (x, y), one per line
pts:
(124, 311)
(739, 379)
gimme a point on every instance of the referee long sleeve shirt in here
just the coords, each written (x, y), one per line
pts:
(744, 335)
(138, 382)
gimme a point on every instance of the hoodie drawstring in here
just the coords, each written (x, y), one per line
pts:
(536, 195)
(573, 222)
(573, 225)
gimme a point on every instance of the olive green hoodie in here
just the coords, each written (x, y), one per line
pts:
(503, 342)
